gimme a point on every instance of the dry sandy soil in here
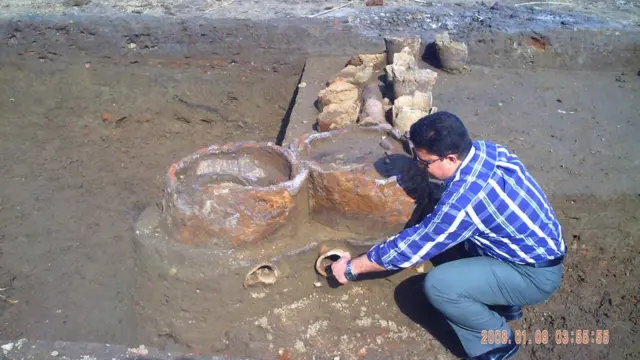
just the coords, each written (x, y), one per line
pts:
(85, 143)
(73, 183)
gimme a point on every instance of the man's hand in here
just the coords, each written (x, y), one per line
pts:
(359, 265)
(338, 268)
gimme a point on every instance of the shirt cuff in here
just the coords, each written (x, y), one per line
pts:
(375, 257)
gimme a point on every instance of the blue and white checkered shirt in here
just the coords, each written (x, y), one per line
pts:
(491, 200)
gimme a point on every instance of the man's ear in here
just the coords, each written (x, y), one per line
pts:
(452, 158)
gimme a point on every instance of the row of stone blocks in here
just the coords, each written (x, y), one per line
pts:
(229, 209)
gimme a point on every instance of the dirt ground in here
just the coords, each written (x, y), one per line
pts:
(85, 146)
(85, 143)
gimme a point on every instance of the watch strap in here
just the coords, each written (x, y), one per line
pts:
(348, 272)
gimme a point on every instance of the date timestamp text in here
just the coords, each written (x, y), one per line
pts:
(543, 337)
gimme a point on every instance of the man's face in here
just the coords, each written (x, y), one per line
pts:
(440, 168)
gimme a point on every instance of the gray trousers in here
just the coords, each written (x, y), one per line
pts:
(462, 289)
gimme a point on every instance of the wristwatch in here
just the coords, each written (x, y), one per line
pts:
(348, 273)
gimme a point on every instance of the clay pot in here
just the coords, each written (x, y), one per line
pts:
(227, 196)
(361, 179)
(452, 55)
(396, 44)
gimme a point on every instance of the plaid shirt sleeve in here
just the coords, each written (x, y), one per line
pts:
(447, 225)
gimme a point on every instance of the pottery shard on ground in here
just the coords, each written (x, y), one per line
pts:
(452, 55)
(356, 75)
(395, 45)
(376, 61)
(407, 81)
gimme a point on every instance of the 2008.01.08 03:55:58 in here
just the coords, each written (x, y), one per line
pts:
(562, 337)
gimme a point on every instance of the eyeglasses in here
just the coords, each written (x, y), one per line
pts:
(423, 162)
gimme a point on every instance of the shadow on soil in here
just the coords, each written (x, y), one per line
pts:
(284, 123)
(409, 294)
(412, 302)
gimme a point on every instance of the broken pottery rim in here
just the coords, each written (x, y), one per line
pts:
(336, 251)
(271, 266)
(299, 169)
(302, 145)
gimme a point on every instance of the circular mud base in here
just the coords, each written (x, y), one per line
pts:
(187, 297)
(191, 299)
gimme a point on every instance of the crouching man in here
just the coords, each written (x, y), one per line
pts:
(510, 230)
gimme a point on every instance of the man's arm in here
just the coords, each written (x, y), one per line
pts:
(446, 226)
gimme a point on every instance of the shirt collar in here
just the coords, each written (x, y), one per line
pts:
(466, 161)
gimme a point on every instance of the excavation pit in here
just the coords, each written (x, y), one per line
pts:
(70, 201)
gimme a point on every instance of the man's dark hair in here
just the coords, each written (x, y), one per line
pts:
(441, 134)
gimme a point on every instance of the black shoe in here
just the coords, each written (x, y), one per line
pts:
(509, 312)
(500, 353)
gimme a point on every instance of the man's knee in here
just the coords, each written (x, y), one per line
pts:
(439, 286)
